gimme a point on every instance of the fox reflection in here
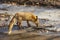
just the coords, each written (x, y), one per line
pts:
(23, 16)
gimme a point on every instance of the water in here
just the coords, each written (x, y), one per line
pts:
(42, 12)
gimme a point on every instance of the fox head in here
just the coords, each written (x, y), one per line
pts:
(36, 21)
(36, 18)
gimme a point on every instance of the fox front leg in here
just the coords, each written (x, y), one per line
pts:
(28, 23)
(12, 22)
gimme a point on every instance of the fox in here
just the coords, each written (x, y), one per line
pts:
(23, 16)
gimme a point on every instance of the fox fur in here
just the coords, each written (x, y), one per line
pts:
(23, 16)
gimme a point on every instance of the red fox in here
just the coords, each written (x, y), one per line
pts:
(23, 16)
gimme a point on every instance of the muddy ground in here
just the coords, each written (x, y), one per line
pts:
(27, 37)
(27, 34)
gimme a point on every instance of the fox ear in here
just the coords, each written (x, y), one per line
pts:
(36, 17)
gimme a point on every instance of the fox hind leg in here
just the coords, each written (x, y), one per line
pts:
(19, 25)
(12, 22)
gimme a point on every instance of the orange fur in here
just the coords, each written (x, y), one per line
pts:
(23, 16)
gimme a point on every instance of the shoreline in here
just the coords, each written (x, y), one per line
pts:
(33, 5)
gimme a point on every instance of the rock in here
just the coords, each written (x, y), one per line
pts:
(58, 30)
